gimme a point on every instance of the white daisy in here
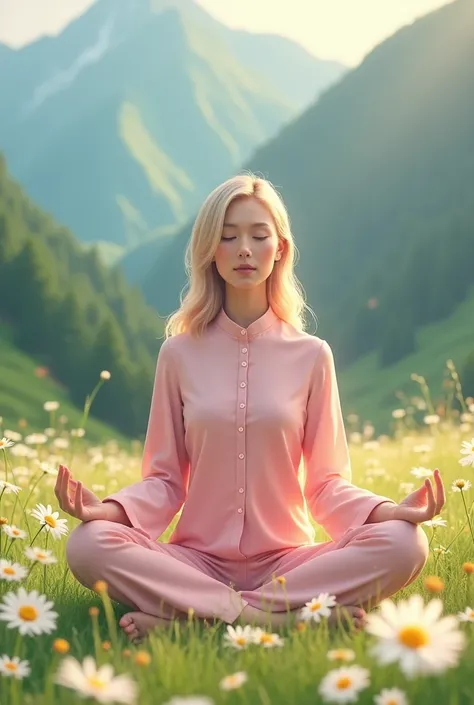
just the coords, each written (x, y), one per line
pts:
(414, 635)
(341, 655)
(45, 515)
(461, 485)
(8, 487)
(29, 612)
(421, 472)
(235, 680)
(467, 615)
(51, 405)
(13, 532)
(96, 682)
(14, 667)
(318, 607)
(435, 522)
(431, 419)
(42, 555)
(441, 550)
(35, 439)
(266, 639)
(12, 571)
(238, 637)
(343, 685)
(391, 696)
(467, 449)
(5, 443)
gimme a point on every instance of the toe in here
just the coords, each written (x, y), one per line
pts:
(125, 620)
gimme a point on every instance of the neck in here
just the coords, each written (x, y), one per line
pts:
(245, 307)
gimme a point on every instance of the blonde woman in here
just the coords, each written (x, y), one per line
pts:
(246, 440)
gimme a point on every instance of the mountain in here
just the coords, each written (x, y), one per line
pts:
(121, 124)
(378, 176)
(62, 307)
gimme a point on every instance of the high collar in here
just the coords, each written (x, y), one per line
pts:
(254, 329)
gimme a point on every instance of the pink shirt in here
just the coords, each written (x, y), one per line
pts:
(245, 435)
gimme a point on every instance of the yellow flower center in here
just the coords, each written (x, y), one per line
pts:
(392, 702)
(16, 532)
(96, 683)
(39, 554)
(460, 483)
(9, 571)
(343, 683)
(413, 636)
(471, 614)
(241, 641)
(315, 606)
(11, 666)
(50, 521)
(266, 638)
(28, 613)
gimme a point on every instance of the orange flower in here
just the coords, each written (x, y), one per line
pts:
(281, 580)
(94, 611)
(433, 583)
(142, 658)
(468, 568)
(106, 645)
(300, 626)
(100, 586)
(126, 653)
(3, 520)
(61, 646)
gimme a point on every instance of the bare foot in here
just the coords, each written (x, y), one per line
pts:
(136, 625)
(347, 616)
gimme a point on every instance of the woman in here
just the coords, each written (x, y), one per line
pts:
(246, 437)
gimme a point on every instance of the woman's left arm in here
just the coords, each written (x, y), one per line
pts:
(334, 502)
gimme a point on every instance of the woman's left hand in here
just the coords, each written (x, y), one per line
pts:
(423, 504)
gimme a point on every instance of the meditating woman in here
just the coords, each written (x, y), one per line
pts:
(246, 441)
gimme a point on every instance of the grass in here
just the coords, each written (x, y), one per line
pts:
(189, 658)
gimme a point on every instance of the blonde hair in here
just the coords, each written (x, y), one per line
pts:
(205, 293)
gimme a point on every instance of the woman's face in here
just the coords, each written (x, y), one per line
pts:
(249, 245)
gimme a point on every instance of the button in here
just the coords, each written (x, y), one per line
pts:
(241, 489)
(244, 350)
(242, 406)
(242, 384)
(241, 456)
(242, 332)
(240, 510)
(241, 428)
(244, 364)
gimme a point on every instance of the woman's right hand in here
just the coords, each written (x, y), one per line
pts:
(77, 500)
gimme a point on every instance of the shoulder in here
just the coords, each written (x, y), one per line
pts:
(317, 348)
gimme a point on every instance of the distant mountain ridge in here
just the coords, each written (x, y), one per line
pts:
(121, 124)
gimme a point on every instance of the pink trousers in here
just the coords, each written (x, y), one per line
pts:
(369, 563)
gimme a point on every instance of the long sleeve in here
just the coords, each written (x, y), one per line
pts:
(152, 503)
(334, 502)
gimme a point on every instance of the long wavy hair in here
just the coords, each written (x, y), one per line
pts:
(203, 296)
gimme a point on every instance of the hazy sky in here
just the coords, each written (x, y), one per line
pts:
(345, 30)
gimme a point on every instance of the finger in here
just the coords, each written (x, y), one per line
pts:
(430, 509)
(67, 505)
(60, 484)
(440, 492)
(58, 481)
(78, 501)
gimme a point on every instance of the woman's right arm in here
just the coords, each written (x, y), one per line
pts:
(151, 504)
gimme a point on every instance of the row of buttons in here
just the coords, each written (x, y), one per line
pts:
(241, 415)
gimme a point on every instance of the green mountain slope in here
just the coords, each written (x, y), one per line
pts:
(378, 177)
(121, 124)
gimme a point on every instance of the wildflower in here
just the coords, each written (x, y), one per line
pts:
(99, 683)
(468, 568)
(93, 611)
(341, 655)
(29, 612)
(399, 413)
(51, 405)
(14, 667)
(5, 443)
(100, 586)
(433, 583)
(12, 435)
(12, 571)
(9, 488)
(412, 634)
(235, 680)
(50, 520)
(142, 658)
(467, 449)
(391, 696)
(106, 645)
(461, 485)
(435, 522)
(441, 550)
(467, 615)
(281, 580)
(42, 555)
(13, 532)
(318, 607)
(35, 439)
(105, 375)
(238, 637)
(421, 472)
(431, 419)
(266, 639)
(3, 521)
(61, 646)
(342, 685)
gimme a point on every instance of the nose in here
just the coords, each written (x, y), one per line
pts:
(244, 249)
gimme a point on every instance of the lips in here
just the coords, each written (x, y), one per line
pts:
(245, 269)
